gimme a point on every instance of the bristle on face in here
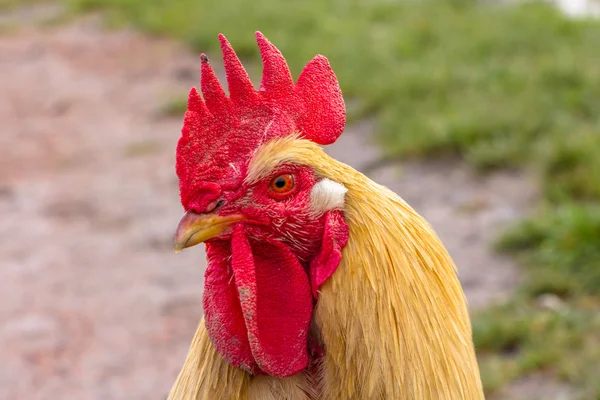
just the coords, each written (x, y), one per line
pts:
(220, 132)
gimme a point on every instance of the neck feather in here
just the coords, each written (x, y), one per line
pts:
(393, 318)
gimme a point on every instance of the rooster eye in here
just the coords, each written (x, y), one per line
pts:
(282, 183)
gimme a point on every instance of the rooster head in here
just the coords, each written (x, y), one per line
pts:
(273, 230)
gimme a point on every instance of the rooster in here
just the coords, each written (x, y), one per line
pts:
(321, 284)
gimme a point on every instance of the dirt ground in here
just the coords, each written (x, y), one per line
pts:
(96, 305)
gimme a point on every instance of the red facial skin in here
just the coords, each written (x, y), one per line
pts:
(263, 272)
(282, 216)
(258, 297)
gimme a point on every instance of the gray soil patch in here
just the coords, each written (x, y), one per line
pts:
(538, 387)
(95, 303)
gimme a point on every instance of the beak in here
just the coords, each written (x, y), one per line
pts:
(197, 228)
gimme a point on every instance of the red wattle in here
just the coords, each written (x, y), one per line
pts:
(258, 315)
(222, 310)
(335, 237)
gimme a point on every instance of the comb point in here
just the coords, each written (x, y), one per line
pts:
(324, 115)
(241, 90)
(196, 104)
(277, 79)
(214, 95)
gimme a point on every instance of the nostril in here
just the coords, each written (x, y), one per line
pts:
(214, 205)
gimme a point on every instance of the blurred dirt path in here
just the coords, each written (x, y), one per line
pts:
(95, 304)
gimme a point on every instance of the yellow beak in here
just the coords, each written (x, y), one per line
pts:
(197, 228)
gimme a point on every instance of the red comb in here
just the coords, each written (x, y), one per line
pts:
(220, 133)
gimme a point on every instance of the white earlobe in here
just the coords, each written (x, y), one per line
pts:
(327, 195)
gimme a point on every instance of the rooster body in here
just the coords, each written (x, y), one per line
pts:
(387, 318)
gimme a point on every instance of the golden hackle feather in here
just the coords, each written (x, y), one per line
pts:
(392, 318)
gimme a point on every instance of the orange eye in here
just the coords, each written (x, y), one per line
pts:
(282, 184)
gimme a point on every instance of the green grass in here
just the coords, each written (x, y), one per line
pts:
(523, 337)
(562, 247)
(499, 87)
(15, 14)
(7, 4)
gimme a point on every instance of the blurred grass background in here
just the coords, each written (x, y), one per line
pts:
(497, 86)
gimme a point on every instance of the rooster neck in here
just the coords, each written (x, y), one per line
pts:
(393, 318)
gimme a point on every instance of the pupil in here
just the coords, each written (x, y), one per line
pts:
(280, 182)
